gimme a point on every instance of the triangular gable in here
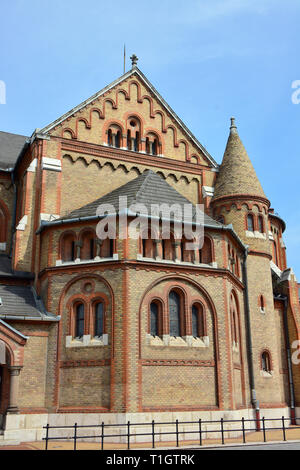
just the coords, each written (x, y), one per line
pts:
(181, 134)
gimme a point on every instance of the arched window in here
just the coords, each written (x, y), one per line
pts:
(198, 321)
(148, 245)
(168, 248)
(99, 318)
(262, 303)
(2, 226)
(275, 256)
(107, 248)
(88, 245)
(68, 247)
(154, 319)
(250, 223)
(266, 362)
(114, 136)
(133, 134)
(260, 224)
(109, 137)
(175, 314)
(206, 251)
(152, 144)
(186, 255)
(79, 320)
(234, 319)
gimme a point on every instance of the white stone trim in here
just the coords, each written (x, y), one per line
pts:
(48, 217)
(33, 165)
(207, 191)
(77, 261)
(282, 244)
(267, 374)
(23, 222)
(140, 257)
(181, 341)
(51, 164)
(255, 234)
(86, 341)
(275, 268)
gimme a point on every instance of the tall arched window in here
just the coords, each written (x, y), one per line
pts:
(2, 226)
(107, 248)
(79, 320)
(266, 361)
(250, 223)
(152, 144)
(88, 245)
(99, 319)
(168, 248)
(186, 255)
(148, 245)
(68, 247)
(234, 319)
(274, 249)
(154, 320)
(114, 136)
(260, 224)
(206, 256)
(174, 314)
(198, 321)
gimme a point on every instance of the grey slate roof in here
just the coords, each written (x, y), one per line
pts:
(148, 188)
(20, 302)
(11, 146)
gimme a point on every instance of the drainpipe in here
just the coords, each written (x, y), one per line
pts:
(289, 360)
(254, 400)
(13, 223)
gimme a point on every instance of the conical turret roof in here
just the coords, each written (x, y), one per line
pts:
(236, 173)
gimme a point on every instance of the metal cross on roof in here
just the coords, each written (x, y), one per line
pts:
(134, 60)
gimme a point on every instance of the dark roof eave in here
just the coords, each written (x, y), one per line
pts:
(279, 218)
(42, 317)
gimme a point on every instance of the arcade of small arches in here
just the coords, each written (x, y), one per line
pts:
(132, 138)
(86, 246)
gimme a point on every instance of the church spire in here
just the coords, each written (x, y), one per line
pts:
(236, 173)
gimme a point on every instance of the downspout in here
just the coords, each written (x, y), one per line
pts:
(254, 400)
(14, 215)
(289, 360)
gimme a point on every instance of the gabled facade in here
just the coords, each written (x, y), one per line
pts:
(140, 326)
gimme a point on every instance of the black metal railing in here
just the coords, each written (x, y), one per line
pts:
(220, 429)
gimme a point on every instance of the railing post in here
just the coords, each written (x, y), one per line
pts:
(243, 425)
(200, 431)
(75, 435)
(222, 430)
(47, 435)
(264, 429)
(283, 428)
(153, 435)
(128, 435)
(177, 437)
(102, 435)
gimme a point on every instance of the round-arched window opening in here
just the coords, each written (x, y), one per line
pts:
(132, 123)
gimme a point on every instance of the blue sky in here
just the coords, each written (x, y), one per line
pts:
(209, 59)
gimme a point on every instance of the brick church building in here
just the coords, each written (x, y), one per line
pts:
(98, 330)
